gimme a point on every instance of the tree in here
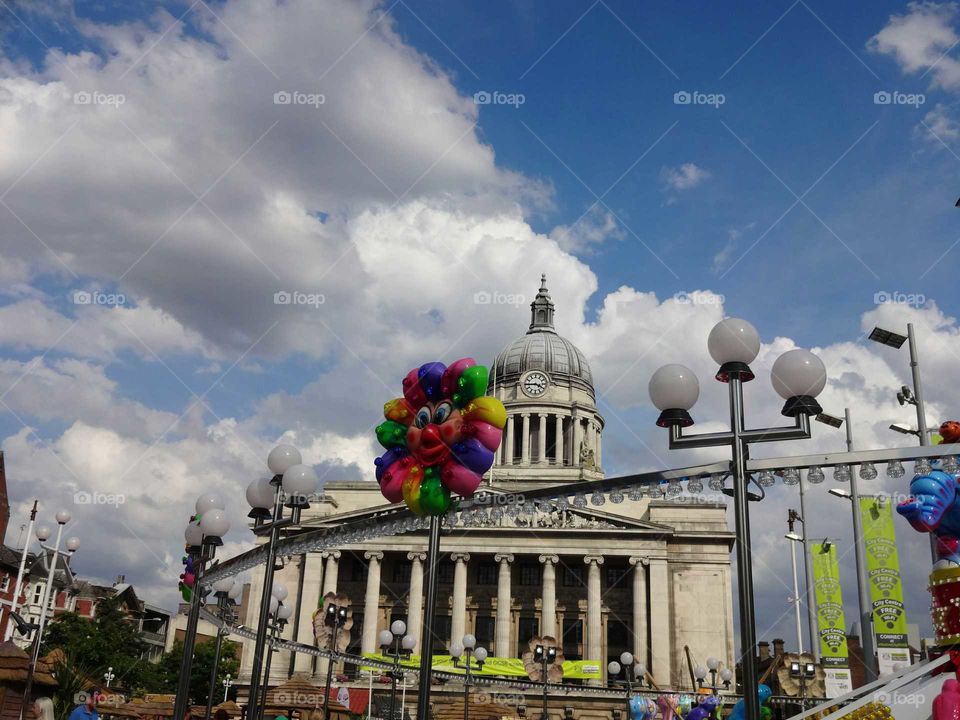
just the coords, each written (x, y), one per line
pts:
(203, 654)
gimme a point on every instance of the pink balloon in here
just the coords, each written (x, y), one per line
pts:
(459, 478)
(488, 435)
(391, 483)
(448, 381)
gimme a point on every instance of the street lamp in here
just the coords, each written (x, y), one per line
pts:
(294, 482)
(803, 671)
(109, 675)
(545, 655)
(226, 591)
(466, 649)
(23, 564)
(227, 684)
(905, 396)
(397, 644)
(726, 677)
(334, 618)
(202, 539)
(629, 674)
(280, 614)
(793, 537)
(713, 666)
(798, 376)
(700, 675)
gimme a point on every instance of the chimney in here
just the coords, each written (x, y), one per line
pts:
(763, 648)
(778, 646)
(120, 580)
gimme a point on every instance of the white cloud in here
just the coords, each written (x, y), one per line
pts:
(593, 228)
(683, 177)
(921, 40)
(940, 129)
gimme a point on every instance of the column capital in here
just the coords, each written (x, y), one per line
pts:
(640, 561)
(590, 559)
(326, 554)
(503, 557)
(549, 559)
(373, 555)
(419, 556)
(460, 557)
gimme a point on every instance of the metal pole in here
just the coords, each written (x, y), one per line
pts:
(23, 563)
(403, 695)
(741, 509)
(370, 697)
(55, 558)
(226, 687)
(544, 677)
(917, 386)
(263, 620)
(330, 663)
(181, 703)
(393, 679)
(466, 689)
(216, 662)
(863, 582)
(429, 618)
(265, 688)
(796, 595)
(809, 590)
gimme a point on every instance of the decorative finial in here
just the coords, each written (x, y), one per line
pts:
(541, 316)
(543, 282)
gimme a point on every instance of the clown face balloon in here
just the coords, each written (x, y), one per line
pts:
(440, 437)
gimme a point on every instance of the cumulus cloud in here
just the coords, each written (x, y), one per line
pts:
(683, 177)
(921, 40)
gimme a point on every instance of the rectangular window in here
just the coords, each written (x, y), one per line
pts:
(572, 576)
(401, 571)
(529, 627)
(484, 631)
(572, 638)
(443, 625)
(529, 574)
(37, 593)
(445, 573)
(5, 583)
(617, 577)
(358, 570)
(487, 573)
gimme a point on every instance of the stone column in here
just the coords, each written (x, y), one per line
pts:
(525, 454)
(640, 608)
(548, 610)
(251, 620)
(577, 439)
(508, 442)
(594, 625)
(415, 598)
(312, 569)
(558, 441)
(598, 447)
(458, 617)
(329, 585)
(371, 602)
(661, 651)
(542, 440)
(504, 601)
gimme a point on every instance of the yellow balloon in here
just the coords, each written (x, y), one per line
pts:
(488, 409)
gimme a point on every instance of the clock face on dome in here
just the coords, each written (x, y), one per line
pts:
(535, 383)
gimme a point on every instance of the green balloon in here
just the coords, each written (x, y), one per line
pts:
(392, 434)
(472, 384)
(434, 495)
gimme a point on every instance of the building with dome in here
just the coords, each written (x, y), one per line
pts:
(645, 575)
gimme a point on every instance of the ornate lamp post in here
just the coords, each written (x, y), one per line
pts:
(202, 540)
(798, 376)
(292, 481)
(546, 656)
(398, 645)
(700, 673)
(23, 564)
(334, 618)
(629, 674)
(227, 684)
(465, 650)
(109, 676)
(227, 592)
(281, 614)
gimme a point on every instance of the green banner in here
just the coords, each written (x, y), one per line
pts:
(883, 569)
(495, 666)
(830, 621)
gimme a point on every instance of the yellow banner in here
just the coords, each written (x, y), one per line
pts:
(492, 666)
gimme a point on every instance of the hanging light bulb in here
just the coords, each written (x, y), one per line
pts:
(949, 464)
(868, 471)
(791, 476)
(694, 485)
(766, 479)
(674, 488)
(921, 466)
(815, 475)
(895, 469)
(597, 499)
(616, 496)
(841, 473)
(716, 482)
(496, 514)
(579, 501)
(655, 491)
(635, 493)
(562, 503)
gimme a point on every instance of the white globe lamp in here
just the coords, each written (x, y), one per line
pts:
(674, 389)
(799, 376)
(283, 457)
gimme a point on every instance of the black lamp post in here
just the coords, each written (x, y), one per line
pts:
(545, 656)
(334, 618)
(395, 643)
(281, 614)
(630, 673)
(462, 652)
(225, 591)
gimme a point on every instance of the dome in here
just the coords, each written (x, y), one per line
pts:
(543, 349)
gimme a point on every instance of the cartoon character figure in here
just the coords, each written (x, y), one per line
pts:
(642, 708)
(950, 431)
(704, 710)
(934, 507)
(668, 705)
(440, 437)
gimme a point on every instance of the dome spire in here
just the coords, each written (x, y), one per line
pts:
(541, 310)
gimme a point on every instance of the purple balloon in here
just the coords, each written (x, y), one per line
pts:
(388, 458)
(473, 455)
(430, 374)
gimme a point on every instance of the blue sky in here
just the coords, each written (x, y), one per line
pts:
(784, 190)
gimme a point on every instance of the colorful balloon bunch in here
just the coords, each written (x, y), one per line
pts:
(440, 437)
(188, 578)
(642, 708)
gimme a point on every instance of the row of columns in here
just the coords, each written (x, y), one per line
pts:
(505, 455)
(651, 619)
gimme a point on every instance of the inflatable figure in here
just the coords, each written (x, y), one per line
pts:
(946, 706)
(763, 693)
(440, 437)
(668, 706)
(934, 507)
(642, 708)
(704, 710)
